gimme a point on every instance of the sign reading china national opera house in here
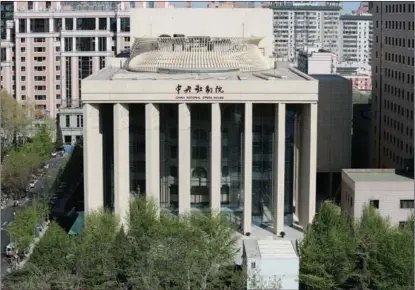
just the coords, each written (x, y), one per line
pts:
(202, 93)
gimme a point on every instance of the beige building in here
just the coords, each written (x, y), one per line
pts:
(389, 191)
(197, 118)
(392, 84)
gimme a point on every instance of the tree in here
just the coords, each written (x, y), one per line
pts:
(17, 171)
(327, 251)
(59, 137)
(15, 122)
(23, 227)
(341, 253)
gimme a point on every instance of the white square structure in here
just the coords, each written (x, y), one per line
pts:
(271, 263)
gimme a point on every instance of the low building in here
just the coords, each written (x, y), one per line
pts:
(391, 192)
(71, 121)
(271, 264)
(317, 62)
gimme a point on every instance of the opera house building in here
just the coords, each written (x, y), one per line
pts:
(201, 116)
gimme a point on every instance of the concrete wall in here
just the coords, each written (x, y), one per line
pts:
(334, 123)
(205, 22)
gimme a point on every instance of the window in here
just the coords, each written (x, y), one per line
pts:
(40, 78)
(23, 97)
(58, 96)
(374, 203)
(39, 58)
(407, 203)
(79, 121)
(22, 49)
(23, 78)
(40, 68)
(39, 39)
(48, 4)
(39, 25)
(68, 121)
(85, 23)
(58, 68)
(23, 88)
(102, 23)
(102, 44)
(30, 5)
(173, 171)
(40, 97)
(69, 23)
(132, 4)
(39, 49)
(23, 69)
(127, 39)
(58, 77)
(253, 265)
(22, 40)
(101, 62)
(40, 88)
(125, 24)
(58, 58)
(68, 44)
(58, 87)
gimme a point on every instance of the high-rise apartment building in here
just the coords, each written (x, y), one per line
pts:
(55, 44)
(392, 84)
(355, 41)
(297, 28)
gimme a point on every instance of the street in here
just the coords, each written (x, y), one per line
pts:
(39, 190)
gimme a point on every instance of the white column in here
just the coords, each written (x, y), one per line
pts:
(17, 25)
(308, 164)
(296, 160)
(215, 158)
(28, 25)
(121, 162)
(74, 23)
(96, 23)
(96, 44)
(63, 24)
(108, 24)
(51, 25)
(152, 124)
(93, 165)
(279, 172)
(184, 158)
(248, 169)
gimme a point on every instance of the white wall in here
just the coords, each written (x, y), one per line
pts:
(205, 22)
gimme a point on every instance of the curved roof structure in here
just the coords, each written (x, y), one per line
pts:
(197, 54)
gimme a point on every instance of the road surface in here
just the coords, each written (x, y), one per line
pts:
(38, 191)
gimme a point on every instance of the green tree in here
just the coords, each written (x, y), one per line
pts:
(385, 253)
(17, 171)
(15, 122)
(23, 227)
(59, 137)
(328, 250)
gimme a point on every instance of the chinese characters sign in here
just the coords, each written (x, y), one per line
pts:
(199, 92)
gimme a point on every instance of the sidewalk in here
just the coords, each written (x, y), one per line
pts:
(31, 249)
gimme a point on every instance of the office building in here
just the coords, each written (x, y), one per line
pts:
(355, 41)
(298, 28)
(392, 84)
(53, 45)
(203, 121)
(391, 192)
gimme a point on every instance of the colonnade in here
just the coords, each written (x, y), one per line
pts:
(305, 148)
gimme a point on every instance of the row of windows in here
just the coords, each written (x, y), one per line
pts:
(397, 58)
(398, 8)
(39, 49)
(39, 58)
(394, 141)
(397, 41)
(404, 203)
(79, 121)
(401, 25)
(396, 108)
(396, 159)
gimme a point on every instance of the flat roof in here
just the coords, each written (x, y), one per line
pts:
(327, 77)
(269, 249)
(274, 6)
(376, 175)
(283, 72)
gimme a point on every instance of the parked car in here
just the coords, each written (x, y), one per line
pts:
(10, 250)
(54, 154)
